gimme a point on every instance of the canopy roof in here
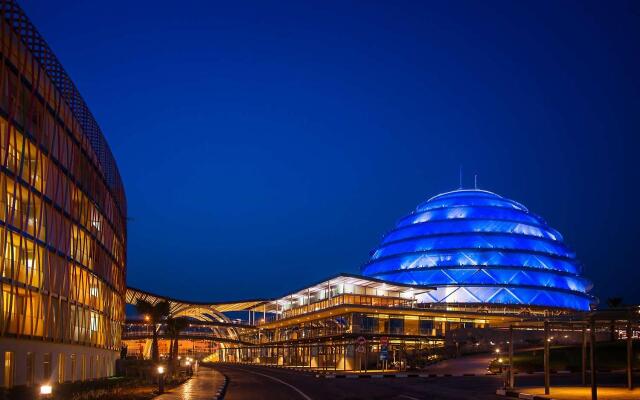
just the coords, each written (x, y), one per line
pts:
(344, 279)
(212, 311)
(202, 311)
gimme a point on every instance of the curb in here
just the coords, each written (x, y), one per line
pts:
(222, 389)
(398, 375)
(519, 395)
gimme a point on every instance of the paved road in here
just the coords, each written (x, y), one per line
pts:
(472, 364)
(200, 387)
(251, 382)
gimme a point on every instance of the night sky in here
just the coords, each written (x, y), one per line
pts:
(268, 145)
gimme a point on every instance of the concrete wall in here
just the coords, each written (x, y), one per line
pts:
(98, 363)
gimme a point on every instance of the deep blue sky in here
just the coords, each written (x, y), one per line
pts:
(268, 145)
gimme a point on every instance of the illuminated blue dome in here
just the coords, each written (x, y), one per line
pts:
(475, 246)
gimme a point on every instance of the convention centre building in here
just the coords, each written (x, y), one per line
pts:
(62, 220)
(459, 264)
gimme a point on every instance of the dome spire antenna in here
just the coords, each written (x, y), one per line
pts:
(460, 171)
(475, 181)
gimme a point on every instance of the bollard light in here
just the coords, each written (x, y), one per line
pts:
(497, 351)
(160, 379)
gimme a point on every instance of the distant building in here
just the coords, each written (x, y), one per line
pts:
(462, 263)
(62, 221)
(481, 250)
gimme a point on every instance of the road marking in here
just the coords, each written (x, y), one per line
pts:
(408, 397)
(300, 392)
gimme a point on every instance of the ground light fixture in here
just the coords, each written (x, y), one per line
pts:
(46, 391)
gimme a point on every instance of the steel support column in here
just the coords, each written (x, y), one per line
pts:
(629, 356)
(584, 356)
(594, 383)
(547, 350)
(511, 371)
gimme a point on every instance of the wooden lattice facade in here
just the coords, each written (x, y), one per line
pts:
(62, 213)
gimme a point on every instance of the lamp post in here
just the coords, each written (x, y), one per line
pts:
(160, 379)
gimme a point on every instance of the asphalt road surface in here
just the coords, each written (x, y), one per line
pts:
(251, 382)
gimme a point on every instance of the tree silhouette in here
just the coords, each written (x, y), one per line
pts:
(174, 327)
(155, 314)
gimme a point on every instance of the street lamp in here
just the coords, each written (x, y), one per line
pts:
(160, 379)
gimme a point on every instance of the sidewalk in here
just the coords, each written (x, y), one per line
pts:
(573, 393)
(205, 386)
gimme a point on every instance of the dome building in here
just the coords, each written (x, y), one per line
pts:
(478, 248)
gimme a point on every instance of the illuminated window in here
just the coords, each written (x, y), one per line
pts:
(8, 369)
(93, 291)
(73, 367)
(83, 367)
(13, 160)
(426, 326)
(94, 322)
(29, 258)
(12, 204)
(46, 364)
(31, 368)
(95, 219)
(60, 367)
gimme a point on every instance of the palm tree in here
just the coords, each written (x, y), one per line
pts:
(155, 314)
(174, 327)
(613, 302)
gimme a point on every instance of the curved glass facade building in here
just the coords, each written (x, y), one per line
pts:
(62, 220)
(476, 247)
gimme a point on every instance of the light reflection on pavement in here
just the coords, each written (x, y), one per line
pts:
(200, 387)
